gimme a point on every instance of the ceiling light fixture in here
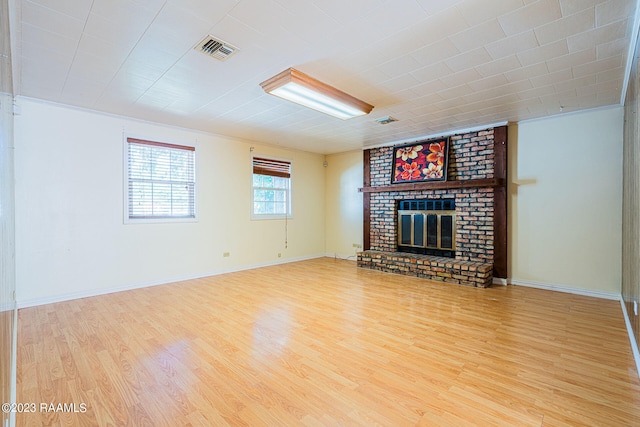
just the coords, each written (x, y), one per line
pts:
(302, 89)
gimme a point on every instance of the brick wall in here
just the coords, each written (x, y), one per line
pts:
(471, 156)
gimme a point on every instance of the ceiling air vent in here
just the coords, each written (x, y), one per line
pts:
(386, 120)
(216, 48)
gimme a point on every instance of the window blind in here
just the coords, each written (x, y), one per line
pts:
(271, 167)
(161, 180)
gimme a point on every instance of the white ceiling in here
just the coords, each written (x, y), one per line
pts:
(435, 65)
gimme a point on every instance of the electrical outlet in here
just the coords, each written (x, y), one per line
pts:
(357, 245)
(226, 254)
(635, 307)
(279, 255)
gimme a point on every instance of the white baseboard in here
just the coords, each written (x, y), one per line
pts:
(7, 306)
(632, 338)
(567, 289)
(499, 281)
(32, 302)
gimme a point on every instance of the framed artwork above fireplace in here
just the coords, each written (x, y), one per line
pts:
(420, 161)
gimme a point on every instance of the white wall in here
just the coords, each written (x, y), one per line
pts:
(565, 206)
(70, 236)
(566, 201)
(344, 210)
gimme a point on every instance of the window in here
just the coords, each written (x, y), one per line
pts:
(271, 188)
(160, 181)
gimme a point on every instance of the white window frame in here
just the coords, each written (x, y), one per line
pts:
(288, 189)
(158, 219)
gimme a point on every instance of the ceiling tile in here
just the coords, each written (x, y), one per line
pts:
(572, 60)
(469, 59)
(569, 7)
(51, 20)
(605, 76)
(435, 52)
(477, 11)
(390, 20)
(513, 44)
(488, 83)
(400, 82)
(235, 32)
(81, 92)
(433, 7)
(463, 77)
(347, 11)
(78, 9)
(429, 88)
(106, 51)
(433, 72)
(597, 66)
(126, 13)
(596, 36)
(612, 48)
(307, 19)
(441, 25)
(567, 26)
(613, 10)
(530, 16)
(526, 72)
(477, 36)
(568, 84)
(543, 53)
(393, 67)
(536, 92)
(38, 52)
(253, 15)
(205, 10)
(50, 80)
(551, 78)
(374, 51)
(101, 27)
(499, 66)
(93, 68)
(48, 40)
(186, 26)
(450, 94)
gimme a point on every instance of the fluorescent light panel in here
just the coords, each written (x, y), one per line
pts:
(302, 89)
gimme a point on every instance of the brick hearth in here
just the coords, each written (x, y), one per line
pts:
(428, 267)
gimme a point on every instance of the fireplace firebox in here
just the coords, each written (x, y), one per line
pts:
(427, 227)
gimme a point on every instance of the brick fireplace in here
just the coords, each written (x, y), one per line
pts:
(476, 186)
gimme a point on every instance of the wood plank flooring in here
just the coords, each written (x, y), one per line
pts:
(322, 343)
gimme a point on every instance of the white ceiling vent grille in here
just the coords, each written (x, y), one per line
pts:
(216, 48)
(386, 120)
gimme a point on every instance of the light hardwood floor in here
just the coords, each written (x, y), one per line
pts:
(321, 342)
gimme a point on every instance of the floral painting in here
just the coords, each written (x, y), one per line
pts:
(424, 161)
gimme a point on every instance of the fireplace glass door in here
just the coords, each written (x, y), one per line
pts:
(427, 232)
